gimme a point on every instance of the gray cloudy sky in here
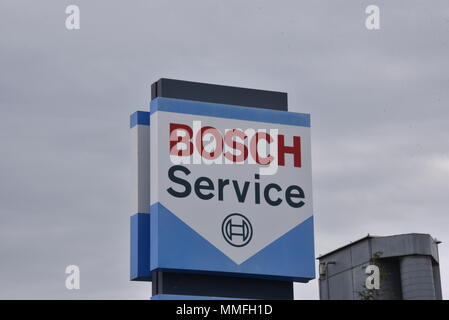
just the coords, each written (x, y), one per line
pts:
(379, 102)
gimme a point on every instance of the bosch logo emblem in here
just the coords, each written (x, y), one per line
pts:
(237, 230)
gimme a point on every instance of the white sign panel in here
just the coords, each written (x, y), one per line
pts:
(239, 177)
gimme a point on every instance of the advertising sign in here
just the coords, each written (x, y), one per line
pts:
(231, 190)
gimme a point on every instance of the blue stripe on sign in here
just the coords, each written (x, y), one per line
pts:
(140, 247)
(229, 111)
(139, 118)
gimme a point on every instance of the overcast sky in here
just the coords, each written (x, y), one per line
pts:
(379, 102)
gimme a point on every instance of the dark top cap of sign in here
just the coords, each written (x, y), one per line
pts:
(206, 92)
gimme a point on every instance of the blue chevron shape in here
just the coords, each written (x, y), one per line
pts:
(177, 247)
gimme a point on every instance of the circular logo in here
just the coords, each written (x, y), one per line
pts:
(237, 230)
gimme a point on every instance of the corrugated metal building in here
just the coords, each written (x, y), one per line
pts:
(408, 269)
